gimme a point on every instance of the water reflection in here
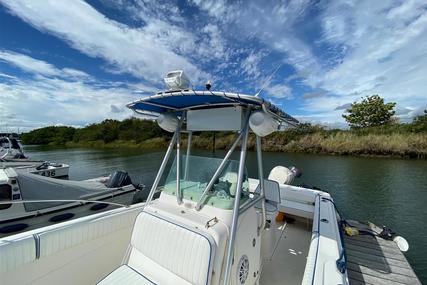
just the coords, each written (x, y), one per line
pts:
(382, 190)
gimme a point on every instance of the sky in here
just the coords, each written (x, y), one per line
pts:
(76, 63)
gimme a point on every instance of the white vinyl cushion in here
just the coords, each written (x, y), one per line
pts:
(65, 238)
(125, 275)
(166, 252)
(15, 253)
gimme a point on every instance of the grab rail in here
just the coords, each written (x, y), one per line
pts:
(312, 259)
(342, 259)
(310, 268)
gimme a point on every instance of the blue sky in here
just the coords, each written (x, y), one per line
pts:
(75, 62)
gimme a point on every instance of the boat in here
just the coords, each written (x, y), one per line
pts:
(29, 201)
(205, 221)
(12, 155)
(11, 148)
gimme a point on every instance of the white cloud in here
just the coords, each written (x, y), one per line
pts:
(279, 91)
(139, 51)
(7, 76)
(53, 96)
(386, 52)
(28, 64)
(250, 64)
(363, 48)
(48, 101)
(269, 22)
(35, 66)
(338, 51)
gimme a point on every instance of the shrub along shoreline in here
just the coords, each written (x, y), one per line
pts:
(397, 140)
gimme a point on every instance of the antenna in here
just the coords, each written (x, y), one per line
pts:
(268, 79)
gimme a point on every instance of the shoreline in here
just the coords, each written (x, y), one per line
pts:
(364, 146)
(392, 140)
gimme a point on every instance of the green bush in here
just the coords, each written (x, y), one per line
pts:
(419, 123)
(107, 131)
(391, 139)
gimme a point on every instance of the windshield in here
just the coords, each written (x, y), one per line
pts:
(196, 177)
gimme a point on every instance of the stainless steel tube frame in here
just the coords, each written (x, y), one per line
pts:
(162, 169)
(261, 182)
(187, 157)
(230, 250)
(178, 162)
(217, 173)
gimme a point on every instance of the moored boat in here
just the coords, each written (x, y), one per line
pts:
(29, 201)
(12, 155)
(11, 148)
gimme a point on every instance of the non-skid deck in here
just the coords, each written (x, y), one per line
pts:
(373, 260)
(288, 262)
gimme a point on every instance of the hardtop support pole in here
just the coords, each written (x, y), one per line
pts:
(233, 231)
(213, 143)
(187, 157)
(261, 182)
(162, 168)
(178, 162)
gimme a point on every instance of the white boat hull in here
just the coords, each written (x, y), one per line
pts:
(53, 170)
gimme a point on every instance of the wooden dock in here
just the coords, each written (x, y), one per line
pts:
(373, 260)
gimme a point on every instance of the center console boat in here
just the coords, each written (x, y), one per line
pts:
(211, 224)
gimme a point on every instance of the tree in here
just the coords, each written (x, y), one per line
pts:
(370, 112)
(419, 124)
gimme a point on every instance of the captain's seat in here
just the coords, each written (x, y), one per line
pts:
(165, 252)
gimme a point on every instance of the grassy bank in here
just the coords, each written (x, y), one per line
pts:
(342, 143)
(399, 140)
(337, 143)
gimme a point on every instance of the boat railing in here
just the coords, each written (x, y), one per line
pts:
(82, 201)
(310, 267)
(313, 255)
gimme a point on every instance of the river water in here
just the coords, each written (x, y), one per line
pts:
(385, 191)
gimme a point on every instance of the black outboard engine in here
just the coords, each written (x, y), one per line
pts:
(44, 165)
(118, 179)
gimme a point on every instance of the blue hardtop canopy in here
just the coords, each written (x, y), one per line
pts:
(178, 101)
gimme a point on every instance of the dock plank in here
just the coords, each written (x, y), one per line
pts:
(379, 259)
(382, 267)
(396, 277)
(373, 260)
(386, 248)
(376, 252)
(368, 279)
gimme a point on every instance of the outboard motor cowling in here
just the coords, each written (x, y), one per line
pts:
(284, 175)
(118, 179)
